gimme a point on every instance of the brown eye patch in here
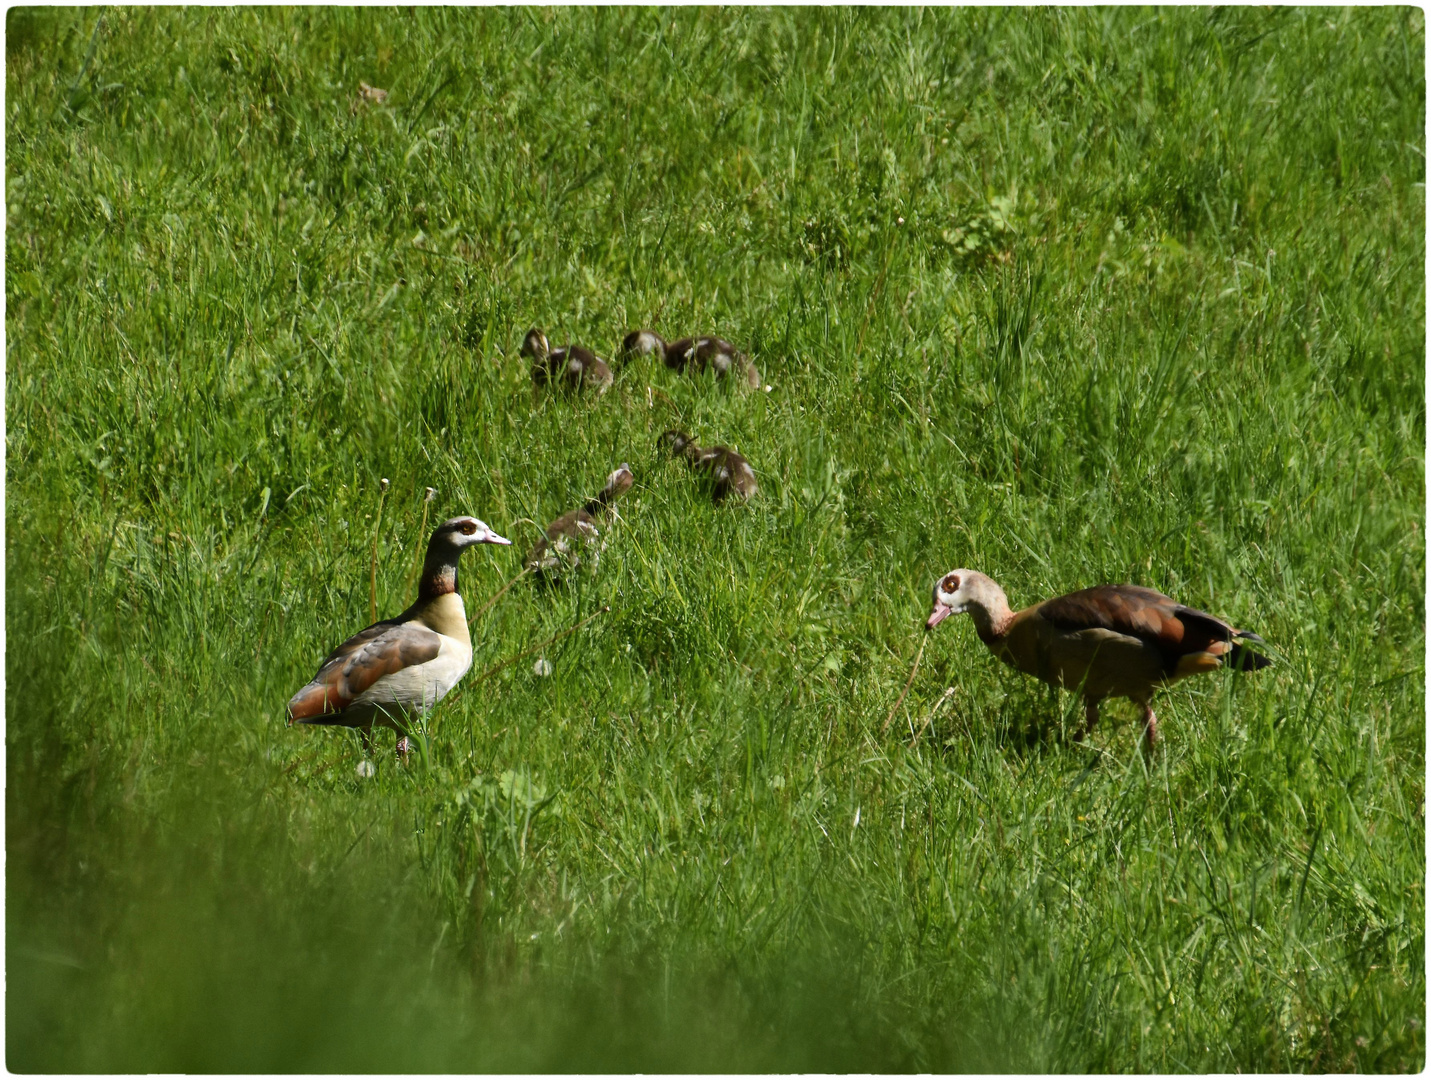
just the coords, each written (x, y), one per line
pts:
(950, 584)
(468, 528)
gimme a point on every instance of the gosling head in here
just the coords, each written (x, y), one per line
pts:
(535, 345)
(643, 343)
(674, 442)
(620, 481)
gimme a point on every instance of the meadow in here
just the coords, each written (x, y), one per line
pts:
(1066, 296)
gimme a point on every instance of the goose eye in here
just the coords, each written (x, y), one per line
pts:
(468, 528)
(951, 583)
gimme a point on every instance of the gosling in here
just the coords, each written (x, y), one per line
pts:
(728, 472)
(565, 537)
(570, 368)
(693, 354)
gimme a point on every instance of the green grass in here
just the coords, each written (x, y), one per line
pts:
(1154, 313)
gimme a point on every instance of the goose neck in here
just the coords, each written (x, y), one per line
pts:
(439, 572)
(990, 611)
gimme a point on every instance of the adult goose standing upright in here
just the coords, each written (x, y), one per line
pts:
(696, 354)
(728, 471)
(399, 668)
(569, 368)
(562, 539)
(1107, 641)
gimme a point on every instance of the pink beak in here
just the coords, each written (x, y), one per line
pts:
(938, 615)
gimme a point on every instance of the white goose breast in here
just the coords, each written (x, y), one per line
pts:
(422, 685)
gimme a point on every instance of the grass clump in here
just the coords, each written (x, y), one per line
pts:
(1064, 296)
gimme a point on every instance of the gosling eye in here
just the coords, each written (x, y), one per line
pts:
(950, 584)
(469, 527)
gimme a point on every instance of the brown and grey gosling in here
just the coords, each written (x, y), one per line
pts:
(567, 534)
(1108, 641)
(569, 368)
(399, 668)
(728, 471)
(694, 354)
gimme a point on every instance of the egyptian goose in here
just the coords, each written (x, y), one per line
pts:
(569, 368)
(728, 470)
(584, 524)
(400, 667)
(698, 354)
(1108, 641)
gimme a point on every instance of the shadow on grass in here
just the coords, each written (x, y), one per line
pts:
(201, 939)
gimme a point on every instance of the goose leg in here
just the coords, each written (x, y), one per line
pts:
(1150, 730)
(1090, 717)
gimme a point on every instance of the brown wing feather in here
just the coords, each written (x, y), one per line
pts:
(1174, 630)
(362, 660)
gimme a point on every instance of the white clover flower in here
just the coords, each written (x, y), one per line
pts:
(542, 668)
(366, 769)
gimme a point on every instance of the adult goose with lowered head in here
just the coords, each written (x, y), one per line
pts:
(728, 471)
(694, 354)
(564, 537)
(1108, 641)
(569, 368)
(401, 667)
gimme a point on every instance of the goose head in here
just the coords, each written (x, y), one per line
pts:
(953, 593)
(461, 532)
